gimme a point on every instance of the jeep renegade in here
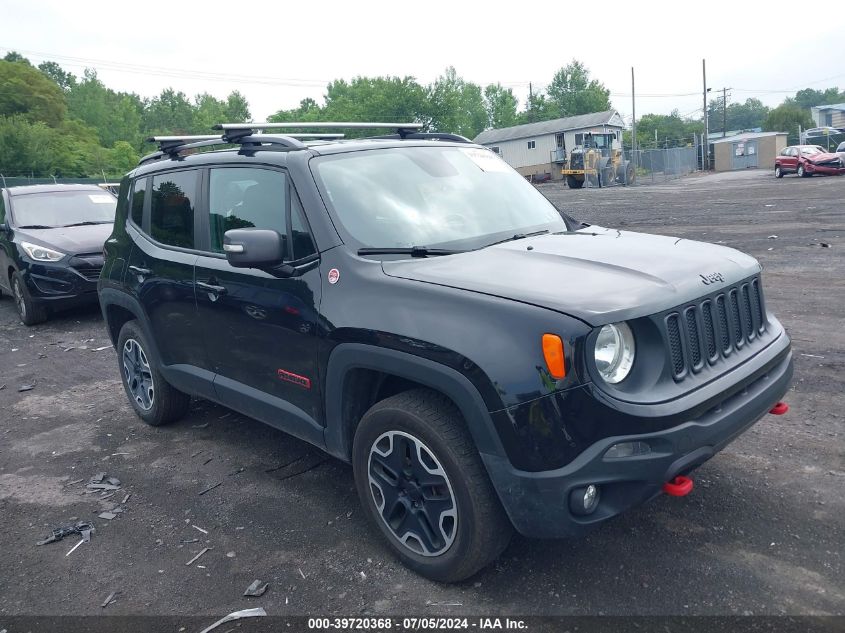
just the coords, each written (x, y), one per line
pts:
(410, 304)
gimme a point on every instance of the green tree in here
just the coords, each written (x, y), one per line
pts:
(237, 108)
(63, 79)
(809, 97)
(501, 105)
(573, 92)
(114, 116)
(16, 57)
(786, 118)
(29, 92)
(456, 106)
(670, 130)
(169, 113)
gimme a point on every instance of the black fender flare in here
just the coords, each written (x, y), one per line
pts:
(448, 381)
(112, 297)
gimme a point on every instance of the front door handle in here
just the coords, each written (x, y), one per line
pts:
(218, 290)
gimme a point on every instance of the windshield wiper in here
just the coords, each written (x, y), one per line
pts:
(86, 223)
(518, 236)
(36, 226)
(413, 251)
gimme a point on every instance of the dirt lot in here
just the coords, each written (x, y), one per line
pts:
(762, 533)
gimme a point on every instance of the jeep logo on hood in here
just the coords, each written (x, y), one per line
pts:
(712, 278)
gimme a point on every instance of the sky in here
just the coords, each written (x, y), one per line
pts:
(278, 53)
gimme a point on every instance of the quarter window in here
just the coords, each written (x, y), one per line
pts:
(303, 246)
(244, 197)
(172, 211)
(138, 194)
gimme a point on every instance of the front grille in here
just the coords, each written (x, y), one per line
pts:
(714, 326)
(692, 337)
(91, 273)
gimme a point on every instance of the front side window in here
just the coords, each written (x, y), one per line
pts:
(63, 208)
(172, 210)
(139, 192)
(245, 197)
(431, 196)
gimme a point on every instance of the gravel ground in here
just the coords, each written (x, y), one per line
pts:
(762, 533)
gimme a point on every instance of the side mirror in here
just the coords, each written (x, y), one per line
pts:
(3, 227)
(254, 248)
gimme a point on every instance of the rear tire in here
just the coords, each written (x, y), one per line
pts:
(28, 310)
(778, 172)
(573, 183)
(422, 483)
(154, 400)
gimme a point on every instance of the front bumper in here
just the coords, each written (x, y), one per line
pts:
(59, 285)
(538, 502)
(824, 169)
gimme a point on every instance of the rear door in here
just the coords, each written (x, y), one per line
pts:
(260, 327)
(160, 273)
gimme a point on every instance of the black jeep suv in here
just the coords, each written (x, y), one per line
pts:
(412, 305)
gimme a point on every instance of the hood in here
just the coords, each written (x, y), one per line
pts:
(822, 158)
(596, 274)
(75, 240)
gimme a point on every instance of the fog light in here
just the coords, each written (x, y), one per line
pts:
(584, 500)
(627, 449)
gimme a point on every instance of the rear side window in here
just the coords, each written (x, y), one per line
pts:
(2, 209)
(172, 210)
(245, 197)
(139, 192)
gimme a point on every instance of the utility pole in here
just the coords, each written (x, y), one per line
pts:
(724, 111)
(633, 123)
(705, 157)
(530, 102)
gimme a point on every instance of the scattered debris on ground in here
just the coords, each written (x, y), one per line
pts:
(83, 528)
(110, 599)
(256, 589)
(236, 615)
(196, 558)
(23, 388)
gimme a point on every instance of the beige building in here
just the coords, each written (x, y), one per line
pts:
(829, 115)
(536, 149)
(748, 150)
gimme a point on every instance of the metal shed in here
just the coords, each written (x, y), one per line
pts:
(748, 150)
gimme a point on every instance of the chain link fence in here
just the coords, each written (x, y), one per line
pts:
(660, 165)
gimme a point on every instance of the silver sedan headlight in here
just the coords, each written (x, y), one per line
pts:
(614, 352)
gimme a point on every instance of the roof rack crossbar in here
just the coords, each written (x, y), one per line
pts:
(318, 124)
(428, 136)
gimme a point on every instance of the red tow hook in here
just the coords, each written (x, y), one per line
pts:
(779, 409)
(680, 486)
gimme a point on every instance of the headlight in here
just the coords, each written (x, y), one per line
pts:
(614, 352)
(41, 253)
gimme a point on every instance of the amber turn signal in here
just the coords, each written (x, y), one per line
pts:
(553, 353)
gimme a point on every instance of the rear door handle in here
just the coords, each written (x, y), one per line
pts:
(218, 290)
(143, 272)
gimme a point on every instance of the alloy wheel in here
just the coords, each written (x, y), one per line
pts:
(412, 493)
(20, 301)
(138, 375)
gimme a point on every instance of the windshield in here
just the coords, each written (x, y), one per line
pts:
(809, 151)
(452, 197)
(63, 208)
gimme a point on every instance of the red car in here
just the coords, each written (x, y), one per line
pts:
(806, 160)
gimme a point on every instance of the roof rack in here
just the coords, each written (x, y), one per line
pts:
(233, 130)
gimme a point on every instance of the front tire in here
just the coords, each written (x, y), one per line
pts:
(802, 173)
(422, 483)
(154, 400)
(573, 183)
(30, 312)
